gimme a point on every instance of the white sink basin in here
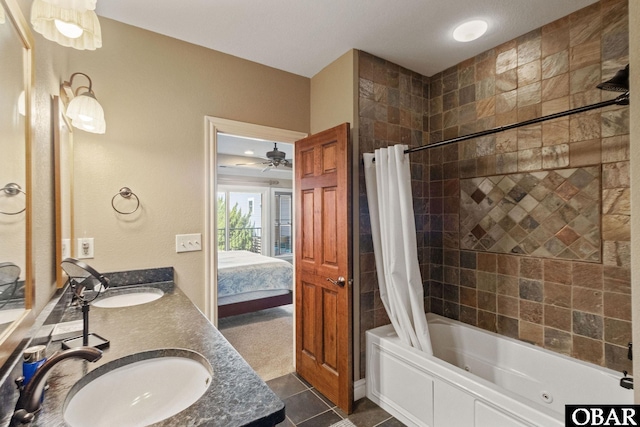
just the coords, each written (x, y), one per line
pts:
(137, 297)
(135, 392)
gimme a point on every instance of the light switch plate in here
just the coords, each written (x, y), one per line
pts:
(188, 242)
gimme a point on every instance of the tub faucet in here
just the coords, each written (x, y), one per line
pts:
(626, 382)
(30, 395)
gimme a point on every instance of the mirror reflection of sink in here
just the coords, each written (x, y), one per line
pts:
(9, 315)
(139, 389)
(129, 298)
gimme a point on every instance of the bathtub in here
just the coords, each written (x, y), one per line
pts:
(478, 378)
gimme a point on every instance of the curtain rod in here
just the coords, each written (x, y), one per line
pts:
(620, 100)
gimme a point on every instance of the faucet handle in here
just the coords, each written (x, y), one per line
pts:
(20, 382)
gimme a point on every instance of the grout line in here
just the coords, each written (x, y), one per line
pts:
(316, 415)
(316, 393)
(383, 421)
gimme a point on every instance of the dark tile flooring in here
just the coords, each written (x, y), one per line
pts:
(306, 407)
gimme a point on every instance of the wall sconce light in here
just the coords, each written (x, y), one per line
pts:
(83, 108)
(70, 23)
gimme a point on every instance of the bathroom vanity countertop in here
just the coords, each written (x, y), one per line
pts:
(236, 397)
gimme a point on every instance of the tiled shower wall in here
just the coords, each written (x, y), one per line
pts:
(578, 303)
(393, 106)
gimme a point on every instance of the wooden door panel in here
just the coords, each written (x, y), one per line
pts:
(306, 162)
(330, 332)
(323, 309)
(329, 158)
(308, 209)
(329, 220)
(308, 325)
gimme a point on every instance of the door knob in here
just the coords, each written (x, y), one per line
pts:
(340, 282)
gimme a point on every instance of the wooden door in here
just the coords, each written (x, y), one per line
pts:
(323, 264)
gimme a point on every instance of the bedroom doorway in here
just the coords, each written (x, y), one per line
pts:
(250, 223)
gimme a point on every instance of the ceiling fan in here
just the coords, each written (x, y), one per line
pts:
(274, 157)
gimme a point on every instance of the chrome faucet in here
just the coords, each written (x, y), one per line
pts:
(30, 395)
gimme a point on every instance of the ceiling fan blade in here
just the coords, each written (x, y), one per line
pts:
(253, 163)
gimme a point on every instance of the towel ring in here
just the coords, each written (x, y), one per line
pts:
(125, 192)
(12, 189)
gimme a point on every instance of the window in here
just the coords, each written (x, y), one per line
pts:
(282, 224)
(240, 221)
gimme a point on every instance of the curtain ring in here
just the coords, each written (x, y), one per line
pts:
(12, 189)
(126, 193)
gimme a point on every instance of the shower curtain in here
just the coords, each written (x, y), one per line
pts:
(393, 229)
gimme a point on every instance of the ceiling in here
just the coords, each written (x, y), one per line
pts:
(232, 159)
(304, 36)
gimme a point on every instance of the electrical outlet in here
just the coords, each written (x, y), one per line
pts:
(66, 248)
(85, 247)
(188, 242)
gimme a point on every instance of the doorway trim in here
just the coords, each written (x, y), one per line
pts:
(213, 125)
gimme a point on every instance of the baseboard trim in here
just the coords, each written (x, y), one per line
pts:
(359, 389)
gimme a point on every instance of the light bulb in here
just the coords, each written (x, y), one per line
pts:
(68, 29)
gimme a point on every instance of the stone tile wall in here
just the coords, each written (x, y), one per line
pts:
(571, 306)
(393, 105)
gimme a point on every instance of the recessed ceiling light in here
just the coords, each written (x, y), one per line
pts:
(470, 30)
(248, 152)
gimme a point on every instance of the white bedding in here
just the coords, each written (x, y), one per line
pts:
(242, 272)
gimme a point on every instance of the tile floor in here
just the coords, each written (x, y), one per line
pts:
(306, 407)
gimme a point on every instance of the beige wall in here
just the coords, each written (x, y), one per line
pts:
(334, 100)
(332, 94)
(634, 60)
(156, 92)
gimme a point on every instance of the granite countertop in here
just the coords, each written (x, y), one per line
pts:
(236, 396)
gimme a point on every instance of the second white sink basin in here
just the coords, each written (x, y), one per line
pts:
(128, 299)
(138, 390)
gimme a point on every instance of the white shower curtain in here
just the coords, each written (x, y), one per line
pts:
(393, 229)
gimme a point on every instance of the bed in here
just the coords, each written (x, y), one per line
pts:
(250, 282)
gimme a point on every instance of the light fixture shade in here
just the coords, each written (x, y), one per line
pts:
(470, 30)
(79, 5)
(86, 113)
(22, 104)
(2, 19)
(43, 18)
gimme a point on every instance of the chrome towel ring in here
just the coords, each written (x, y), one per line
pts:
(126, 193)
(12, 189)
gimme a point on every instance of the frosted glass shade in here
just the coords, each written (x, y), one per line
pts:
(79, 5)
(22, 105)
(86, 113)
(470, 30)
(44, 15)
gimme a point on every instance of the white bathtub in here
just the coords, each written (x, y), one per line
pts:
(481, 379)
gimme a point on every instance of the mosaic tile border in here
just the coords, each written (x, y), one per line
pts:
(548, 214)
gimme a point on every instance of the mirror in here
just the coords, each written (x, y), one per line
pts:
(63, 181)
(16, 79)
